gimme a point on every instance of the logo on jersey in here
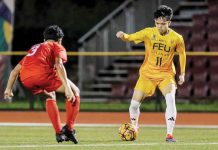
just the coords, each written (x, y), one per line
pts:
(161, 47)
(153, 37)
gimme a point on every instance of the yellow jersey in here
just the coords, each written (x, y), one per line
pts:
(159, 51)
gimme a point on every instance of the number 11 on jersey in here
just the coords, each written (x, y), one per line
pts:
(159, 61)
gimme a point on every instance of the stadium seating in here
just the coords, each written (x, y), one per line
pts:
(200, 21)
(199, 45)
(212, 21)
(200, 90)
(119, 90)
(184, 31)
(184, 91)
(188, 75)
(199, 62)
(200, 76)
(213, 77)
(212, 39)
(212, 6)
(188, 63)
(213, 89)
(198, 33)
(213, 63)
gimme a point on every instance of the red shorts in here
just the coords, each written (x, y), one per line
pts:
(38, 83)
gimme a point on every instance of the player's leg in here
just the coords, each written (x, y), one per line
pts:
(72, 110)
(142, 89)
(38, 84)
(168, 88)
(53, 113)
(134, 108)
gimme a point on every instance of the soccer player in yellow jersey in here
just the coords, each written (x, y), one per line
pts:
(158, 70)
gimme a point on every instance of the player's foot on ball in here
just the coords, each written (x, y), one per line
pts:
(71, 135)
(169, 138)
(60, 137)
(136, 127)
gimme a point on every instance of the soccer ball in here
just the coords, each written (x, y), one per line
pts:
(127, 132)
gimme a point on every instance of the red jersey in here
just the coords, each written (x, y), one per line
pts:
(41, 59)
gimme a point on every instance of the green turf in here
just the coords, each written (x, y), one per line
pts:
(106, 138)
(115, 106)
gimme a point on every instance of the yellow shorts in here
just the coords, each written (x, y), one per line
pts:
(148, 85)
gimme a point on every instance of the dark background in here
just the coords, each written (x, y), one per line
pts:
(75, 17)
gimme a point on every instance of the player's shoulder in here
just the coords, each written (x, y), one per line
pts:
(176, 34)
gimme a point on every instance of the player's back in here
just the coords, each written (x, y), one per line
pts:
(40, 59)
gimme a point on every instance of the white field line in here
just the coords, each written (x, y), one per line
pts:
(105, 145)
(106, 125)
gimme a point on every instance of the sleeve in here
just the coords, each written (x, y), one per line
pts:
(137, 37)
(60, 51)
(180, 48)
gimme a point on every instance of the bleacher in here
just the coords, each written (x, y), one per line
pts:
(201, 71)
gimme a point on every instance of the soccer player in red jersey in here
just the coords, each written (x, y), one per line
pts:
(42, 72)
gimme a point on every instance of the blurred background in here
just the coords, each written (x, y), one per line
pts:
(107, 79)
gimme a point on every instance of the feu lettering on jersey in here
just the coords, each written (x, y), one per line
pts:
(160, 50)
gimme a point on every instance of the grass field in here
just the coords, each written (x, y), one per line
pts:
(114, 106)
(106, 138)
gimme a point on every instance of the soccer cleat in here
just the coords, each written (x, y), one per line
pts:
(69, 134)
(60, 137)
(170, 138)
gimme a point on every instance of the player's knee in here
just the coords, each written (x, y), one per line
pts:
(134, 105)
(171, 88)
(50, 95)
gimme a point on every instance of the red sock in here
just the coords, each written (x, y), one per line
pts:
(53, 113)
(72, 110)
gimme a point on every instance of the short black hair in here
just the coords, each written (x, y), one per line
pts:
(164, 11)
(53, 32)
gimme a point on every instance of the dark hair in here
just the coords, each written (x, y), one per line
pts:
(163, 11)
(53, 32)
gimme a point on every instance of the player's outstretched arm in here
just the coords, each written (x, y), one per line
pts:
(136, 37)
(63, 76)
(8, 94)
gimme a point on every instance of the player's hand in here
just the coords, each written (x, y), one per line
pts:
(181, 79)
(120, 34)
(8, 94)
(69, 95)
